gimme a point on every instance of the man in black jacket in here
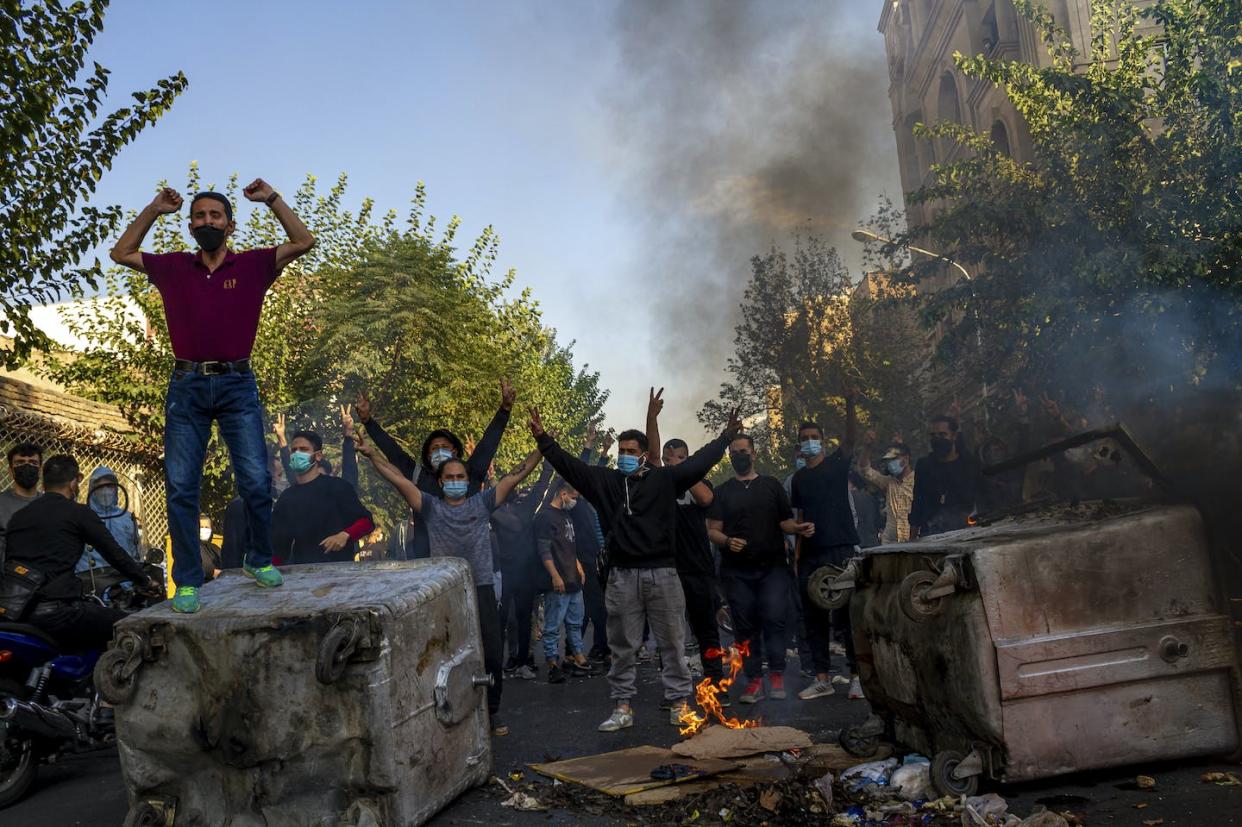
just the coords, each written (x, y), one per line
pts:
(49, 536)
(638, 511)
(946, 482)
(513, 523)
(440, 445)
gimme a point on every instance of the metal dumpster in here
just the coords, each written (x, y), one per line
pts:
(1068, 637)
(351, 695)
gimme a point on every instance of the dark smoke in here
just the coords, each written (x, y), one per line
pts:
(746, 122)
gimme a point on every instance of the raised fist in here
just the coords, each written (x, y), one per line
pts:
(168, 200)
(258, 190)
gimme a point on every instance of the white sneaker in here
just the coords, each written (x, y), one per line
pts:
(619, 719)
(678, 710)
(836, 649)
(840, 680)
(818, 689)
(856, 693)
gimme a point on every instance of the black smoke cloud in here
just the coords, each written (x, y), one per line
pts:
(744, 123)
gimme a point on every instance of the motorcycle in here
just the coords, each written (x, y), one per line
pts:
(49, 706)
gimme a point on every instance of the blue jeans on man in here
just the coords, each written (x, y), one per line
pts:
(567, 609)
(194, 401)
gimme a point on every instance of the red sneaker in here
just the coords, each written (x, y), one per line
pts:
(776, 686)
(753, 693)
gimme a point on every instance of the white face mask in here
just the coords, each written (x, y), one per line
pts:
(204, 534)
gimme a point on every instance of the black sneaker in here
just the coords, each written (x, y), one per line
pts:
(577, 670)
(555, 673)
(598, 656)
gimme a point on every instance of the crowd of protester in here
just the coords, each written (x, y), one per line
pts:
(644, 552)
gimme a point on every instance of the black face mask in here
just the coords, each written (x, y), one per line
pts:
(941, 446)
(741, 462)
(208, 237)
(26, 476)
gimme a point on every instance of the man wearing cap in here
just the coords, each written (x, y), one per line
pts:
(896, 479)
(212, 301)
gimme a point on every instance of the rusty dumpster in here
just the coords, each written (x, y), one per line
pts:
(351, 695)
(1069, 638)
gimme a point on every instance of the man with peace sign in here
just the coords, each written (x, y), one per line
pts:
(212, 301)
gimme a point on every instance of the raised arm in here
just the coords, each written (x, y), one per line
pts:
(485, 451)
(127, 251)
(349, 457)
(300, 239)
(701, 462)
(392, 474)
(388, 446)
(511, 480)
(655, 448)
(577, 473)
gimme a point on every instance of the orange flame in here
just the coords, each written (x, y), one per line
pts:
(706, 694)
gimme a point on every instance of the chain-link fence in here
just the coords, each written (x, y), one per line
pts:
(140, 473)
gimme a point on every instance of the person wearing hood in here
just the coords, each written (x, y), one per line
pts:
(637, 506)
(104, 498)
(25, 461)
(946, 482)
(213, 299)
(439, 446)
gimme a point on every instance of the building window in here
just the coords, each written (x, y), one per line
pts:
(991, 32)
(1000, 138)
(947, 105)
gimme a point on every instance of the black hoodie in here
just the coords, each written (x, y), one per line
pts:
(637, 512)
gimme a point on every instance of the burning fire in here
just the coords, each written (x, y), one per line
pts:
(706, 694)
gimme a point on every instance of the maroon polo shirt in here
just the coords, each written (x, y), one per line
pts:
(212, 316)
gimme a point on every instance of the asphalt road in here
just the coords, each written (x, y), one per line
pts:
(558, 721)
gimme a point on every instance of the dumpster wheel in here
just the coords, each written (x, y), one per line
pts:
(914, 602)
(145, 814)
(863, 740)
(334, 652)
(945, 780)
(819, 588)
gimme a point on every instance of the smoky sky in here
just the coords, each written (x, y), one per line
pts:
(744, 123)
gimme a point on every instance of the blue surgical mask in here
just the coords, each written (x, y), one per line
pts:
(628, 463)
(812, 447)
(799, 463)
(300, 462)
(455, 489)
(895, 468)
(439, 456)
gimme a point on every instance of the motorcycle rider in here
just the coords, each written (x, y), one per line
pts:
(104, 498)
(45, 540)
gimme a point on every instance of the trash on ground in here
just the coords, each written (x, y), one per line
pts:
(988, 808)
(721, 742)
(519, 800)
(912, 779)
(1223, 779)
(627, 771)
(1044, 818)
(824, 785)
(871, 773)
(1153, 822)
(1145, 782)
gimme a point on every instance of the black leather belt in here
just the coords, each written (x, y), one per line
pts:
(213, 368)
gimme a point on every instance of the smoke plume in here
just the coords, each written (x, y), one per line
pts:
(745, 122)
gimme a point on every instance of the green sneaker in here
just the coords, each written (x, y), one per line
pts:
(185, 600)
(267, 577)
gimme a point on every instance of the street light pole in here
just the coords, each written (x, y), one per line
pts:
(863, 236)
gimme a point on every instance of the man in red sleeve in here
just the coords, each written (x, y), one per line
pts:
(319, 520)
(212, 301)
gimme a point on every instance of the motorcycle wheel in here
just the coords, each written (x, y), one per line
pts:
(18, 764)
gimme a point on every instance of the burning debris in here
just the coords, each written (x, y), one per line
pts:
(707, 694)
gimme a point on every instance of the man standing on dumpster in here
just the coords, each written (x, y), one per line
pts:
(212, 301)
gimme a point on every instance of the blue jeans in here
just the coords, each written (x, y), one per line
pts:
(193, 402)
(557, 609)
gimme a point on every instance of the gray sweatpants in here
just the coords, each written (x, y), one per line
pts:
(655, 596)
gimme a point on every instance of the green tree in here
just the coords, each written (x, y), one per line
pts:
(807, 337)
(57, 147)
(1109, 268)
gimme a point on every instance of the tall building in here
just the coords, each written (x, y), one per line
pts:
(921, 37)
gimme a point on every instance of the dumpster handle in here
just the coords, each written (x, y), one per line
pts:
(1118, 432)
